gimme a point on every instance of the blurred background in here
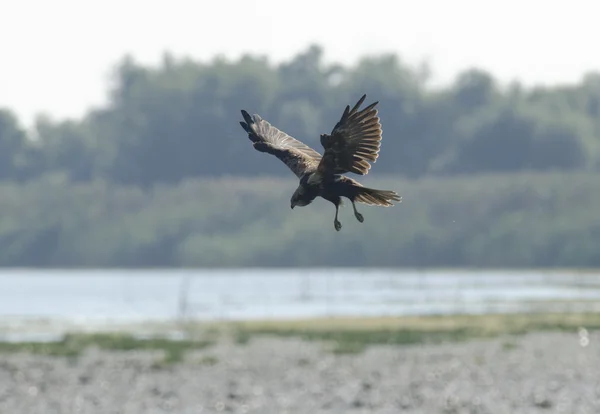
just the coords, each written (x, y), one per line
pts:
(121, 148)
(139, 229)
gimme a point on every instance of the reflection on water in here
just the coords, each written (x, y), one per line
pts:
(90, 299)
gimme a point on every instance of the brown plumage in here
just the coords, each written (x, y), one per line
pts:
(353, 144)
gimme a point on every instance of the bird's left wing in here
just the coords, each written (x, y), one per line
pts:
(354, 142)
(299, 157)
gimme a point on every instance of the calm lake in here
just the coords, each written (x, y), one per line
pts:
(89, 298)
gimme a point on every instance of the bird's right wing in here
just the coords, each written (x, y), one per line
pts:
(299, 157)
(354, 142)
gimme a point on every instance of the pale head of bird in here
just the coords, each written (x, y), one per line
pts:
(298, 198)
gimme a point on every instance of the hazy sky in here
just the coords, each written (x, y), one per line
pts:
(57, 55)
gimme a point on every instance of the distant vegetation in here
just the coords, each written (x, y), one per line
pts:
(338, 335)
(179, 120)
(503, 220)
(72, 345)
(354, 335)
(164, 175)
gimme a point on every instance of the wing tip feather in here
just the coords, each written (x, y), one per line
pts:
(246, 116)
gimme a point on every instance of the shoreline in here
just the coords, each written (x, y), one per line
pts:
(517, 374)
(364, 329)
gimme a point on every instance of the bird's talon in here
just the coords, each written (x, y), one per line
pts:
(337, 225)
(359, 217)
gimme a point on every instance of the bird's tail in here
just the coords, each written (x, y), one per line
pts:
(375, 197)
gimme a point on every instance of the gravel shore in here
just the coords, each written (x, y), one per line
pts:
(539, 372)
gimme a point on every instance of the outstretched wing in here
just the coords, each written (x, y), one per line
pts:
(354, 141)
(299, 157)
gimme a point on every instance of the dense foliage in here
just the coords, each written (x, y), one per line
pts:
(165, 176)
(524, 220)
(180, 120)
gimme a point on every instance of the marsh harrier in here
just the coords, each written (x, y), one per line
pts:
(353, 144)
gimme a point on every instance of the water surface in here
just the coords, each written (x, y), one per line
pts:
(89, 298)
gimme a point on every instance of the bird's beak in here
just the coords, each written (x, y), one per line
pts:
(292, 206)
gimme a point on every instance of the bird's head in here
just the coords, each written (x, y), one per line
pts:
(298, 198)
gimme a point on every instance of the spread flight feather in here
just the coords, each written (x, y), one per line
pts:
(354, 142)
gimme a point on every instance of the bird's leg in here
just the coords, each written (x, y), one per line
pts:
(336, 222)
(358, 216)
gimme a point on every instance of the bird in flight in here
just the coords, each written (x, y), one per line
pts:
(354, 142)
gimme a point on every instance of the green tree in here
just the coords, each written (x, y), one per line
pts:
(14, 148)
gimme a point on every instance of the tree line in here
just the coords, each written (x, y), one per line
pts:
(179, 120)
(506, 220)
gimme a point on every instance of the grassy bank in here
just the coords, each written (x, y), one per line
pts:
(355, 334)
(72, 345)
(339, 335)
